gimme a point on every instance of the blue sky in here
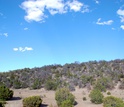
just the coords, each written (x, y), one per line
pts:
(34, 33)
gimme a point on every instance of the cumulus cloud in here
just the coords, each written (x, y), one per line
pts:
(21, 49)
(120, 12)
(75, 5)
(122, 27)
(36, 9)
(99, 22)
(54, 6)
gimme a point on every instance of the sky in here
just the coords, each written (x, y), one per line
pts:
(34, 33)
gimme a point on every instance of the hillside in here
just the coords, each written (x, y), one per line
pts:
(50, 77)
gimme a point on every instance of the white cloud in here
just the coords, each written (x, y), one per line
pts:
(4, 34)
(122, 18)
(21, 49)
(85, 9)
(15, 49)
(25, 28)
(96, 1)
(36, 9)
(122, 27)
(28, 48)
(109, 22)
(120, 12)
(75, 5)
(55, 6)
(33, 10)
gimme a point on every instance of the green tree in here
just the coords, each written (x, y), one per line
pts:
(64, 94)
(33, 101)
(67, 103)
(5, 93)
(36, 84)
(16, 84)
(111, 101)
(96, 96)
(86, 79)
(104, 83)
(51, 85)
(99, 86)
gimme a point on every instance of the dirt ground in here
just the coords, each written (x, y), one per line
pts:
(49, 97)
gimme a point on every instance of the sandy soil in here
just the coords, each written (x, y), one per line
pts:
(49, 97)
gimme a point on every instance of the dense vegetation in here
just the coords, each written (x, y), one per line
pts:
(96, 96)
(96, 75)
(33, 101)
(100, 74)
(64, 98)
(113, 102)
(5, 93)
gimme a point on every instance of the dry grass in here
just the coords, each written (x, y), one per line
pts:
(49, 97)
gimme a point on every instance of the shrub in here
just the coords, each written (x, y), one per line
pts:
(33, 101)
(64, 94)
(2, 103)
(36, 84)
(108, 93)
(104, 83)
(51, 85)
(111, 101)
(86, 79)
(24, 84)
(17, 84)
(5, 93)
(84, 99)
(96, 96)
(67, 103)
(100, 87)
